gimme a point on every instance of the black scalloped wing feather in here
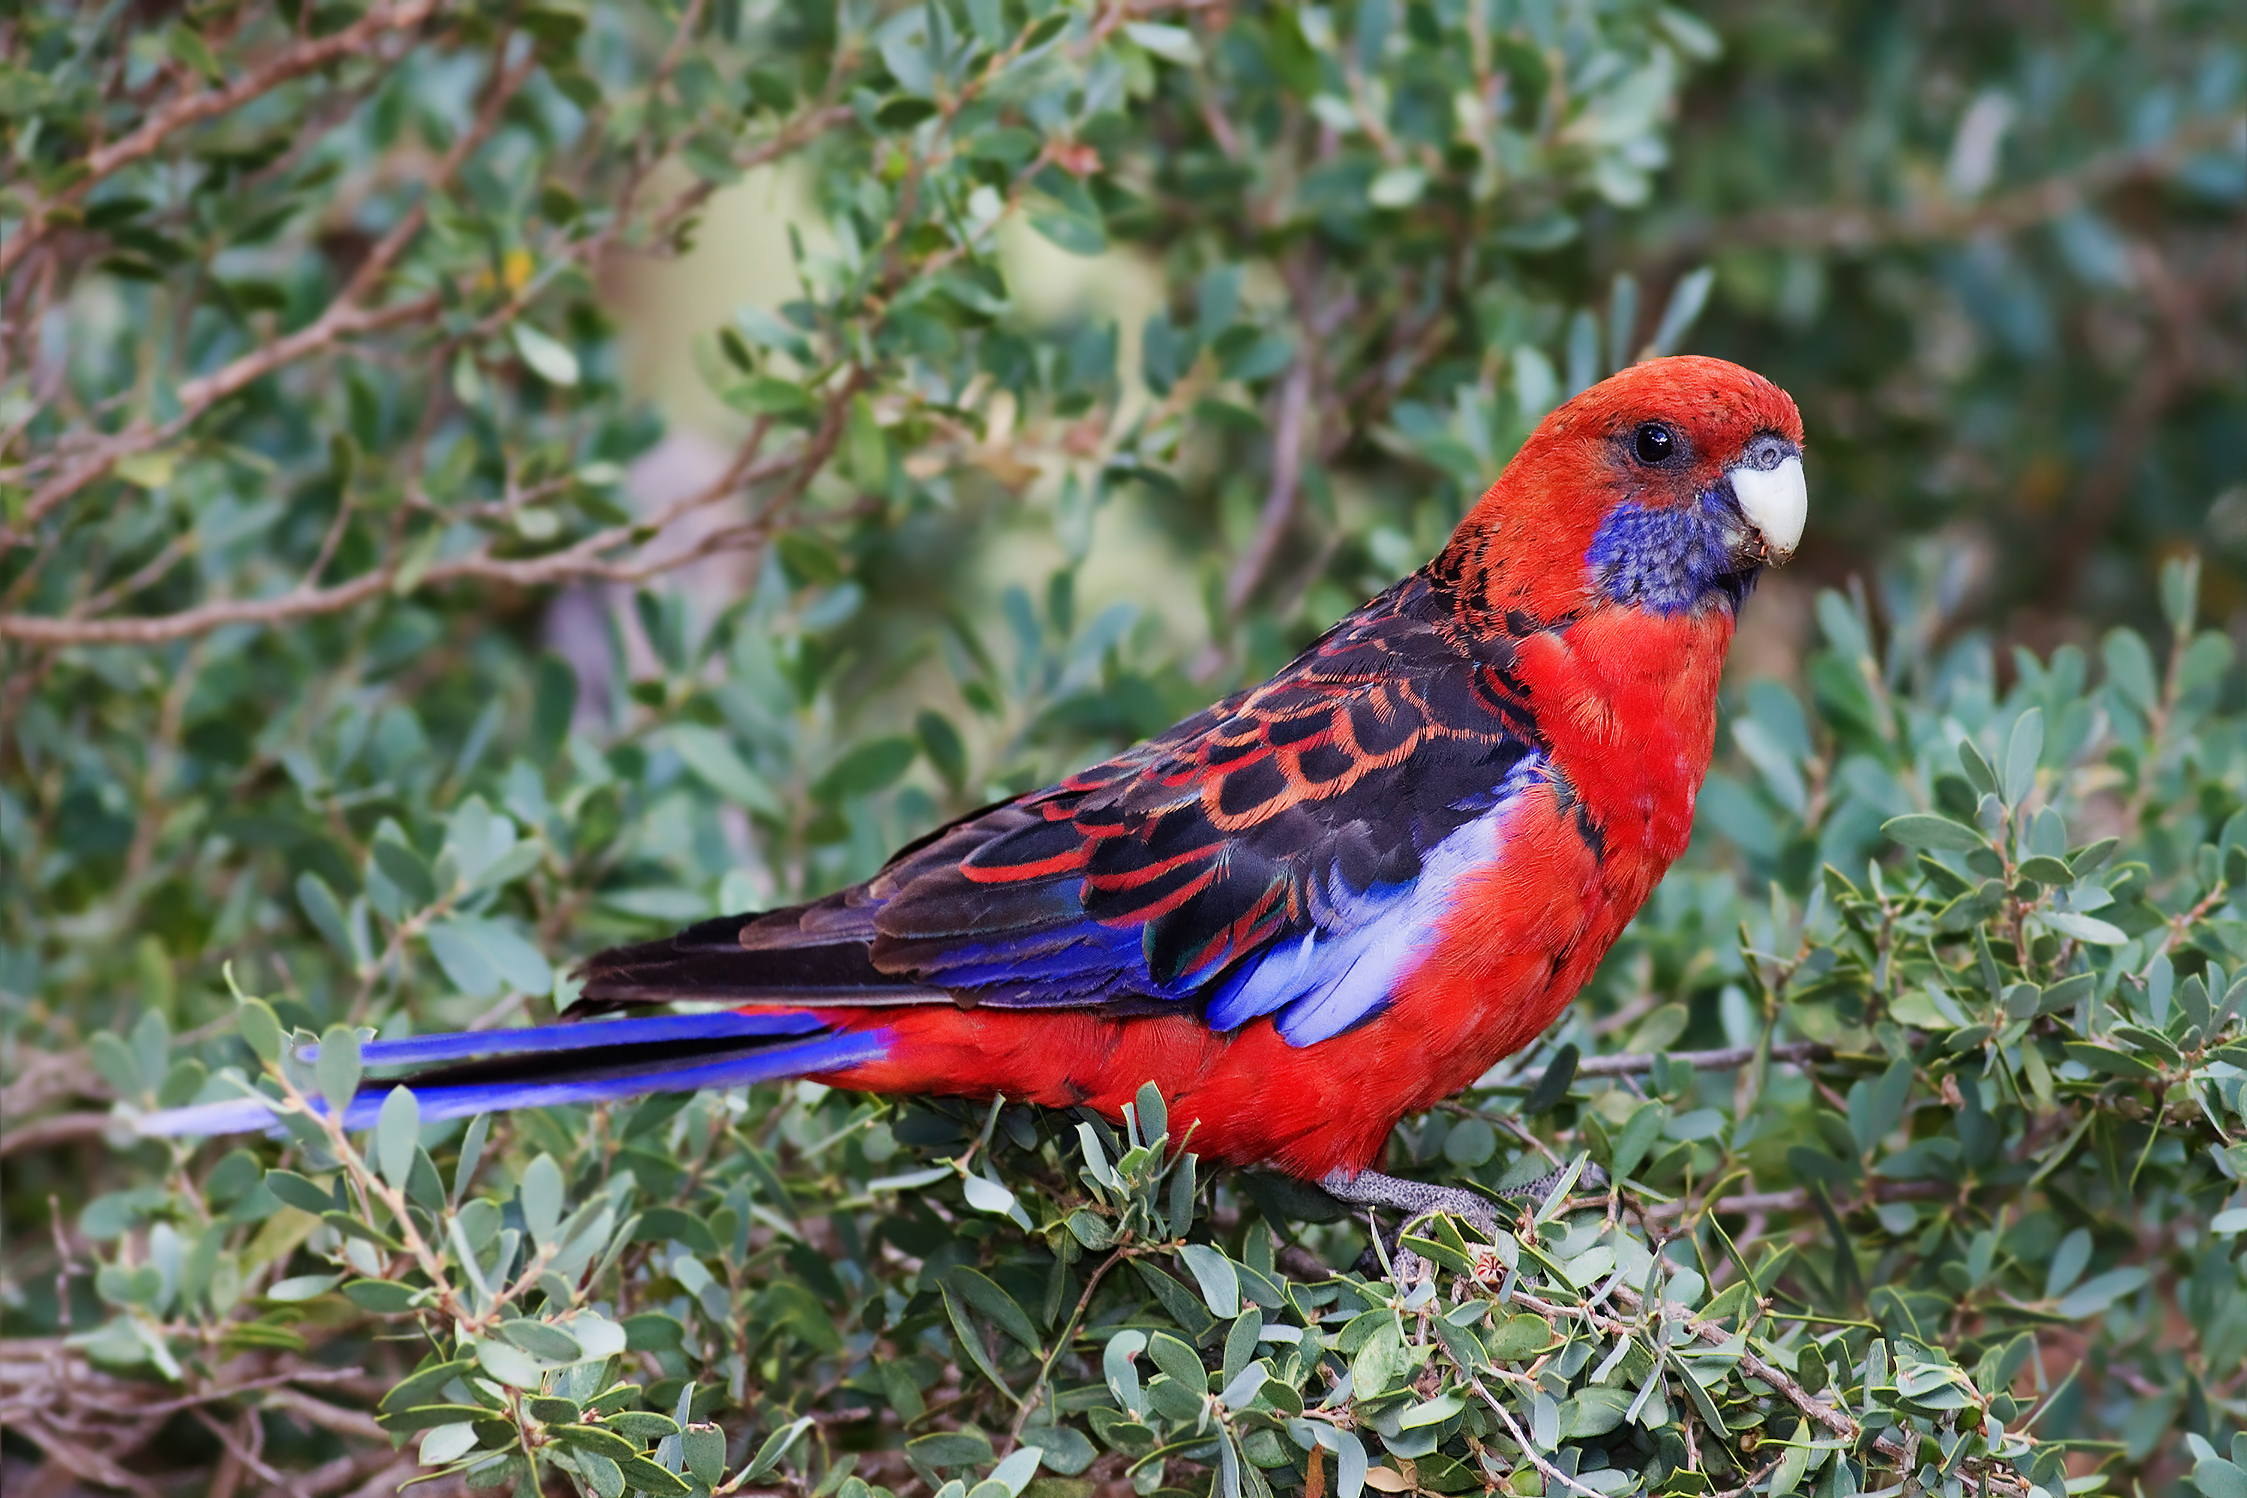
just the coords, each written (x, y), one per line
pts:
(1248, 824)
(1134, 884)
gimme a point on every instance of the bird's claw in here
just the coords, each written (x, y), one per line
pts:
(1417, 1200)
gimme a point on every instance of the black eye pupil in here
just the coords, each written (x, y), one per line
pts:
(1653, 443)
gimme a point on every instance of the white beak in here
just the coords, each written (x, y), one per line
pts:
(1776, 502)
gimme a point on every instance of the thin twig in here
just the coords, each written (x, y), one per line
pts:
(1280, 499)
(1635, 1064)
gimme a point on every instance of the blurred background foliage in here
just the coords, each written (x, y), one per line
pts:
(482, 481)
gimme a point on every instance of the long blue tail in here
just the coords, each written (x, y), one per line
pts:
(481, 1071)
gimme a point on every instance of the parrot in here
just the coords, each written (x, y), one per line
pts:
(1312, 908)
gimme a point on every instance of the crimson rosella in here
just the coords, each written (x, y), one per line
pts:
(1303, 912)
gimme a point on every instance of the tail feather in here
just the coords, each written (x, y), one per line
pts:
(468, 1045)
(783, 957)
(487, 1071)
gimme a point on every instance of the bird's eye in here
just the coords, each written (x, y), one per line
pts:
(1653, 443)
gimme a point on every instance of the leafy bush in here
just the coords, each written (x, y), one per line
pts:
(1925, 1153)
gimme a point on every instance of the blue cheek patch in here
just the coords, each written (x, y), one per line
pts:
(1669, 559)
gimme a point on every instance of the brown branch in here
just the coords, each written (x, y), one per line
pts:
(583, 560)
(1939, 218)
(2181, 311)
(335, 1417)
(1280, 500)
(81, 1461)
(1631, 1065)
(345, 316)
(340, 321)
(1800, 1200)
(303, 57)
(62, 1128)
(47, 1077)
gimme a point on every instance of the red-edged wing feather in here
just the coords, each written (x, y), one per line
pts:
(1136, 883)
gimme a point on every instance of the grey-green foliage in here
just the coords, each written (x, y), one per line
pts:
(1981, 1094)
(324, 404)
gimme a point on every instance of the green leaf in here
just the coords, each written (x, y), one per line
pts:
(303, 1287)
(260, 1029)
(1687, 299)
(1213, 1272)
(1926, 830)
(150, 470)
(2114, 1063)
(978, 1290)
(767, 395)
(653, 1331)
(483, 957)
(1073, 232)
(2083, 928)
(703, 1448)
(1519, 1338)
(2021, 751)
(383, 1297)
(941, 742)
(422, 1385)
(713, 758)
(1397, 187)
(2097, 1293)
(397, 1136)
(866, 768)
(594, 1438)
(676, 1224)
(296, 1191)
(642, 1425)
(950, 1448)
(2217, 1478)
(509, 1364)
(1470, 1143)
(1153, 1113)
(553, 704)
(428, 1416)
(2130, 668)
(338, 1068)
(541, 1194)
(775, 1447)
(1638, 1135)
(405, 868)
(1559, 1075)
(326, 914)
(989, 1196)
(542, 1340)
(550, 360)
(650, 1478)
(2180, 593)
(1170, 43)
(115, 1061)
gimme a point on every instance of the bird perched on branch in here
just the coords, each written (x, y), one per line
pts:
(1305, 911)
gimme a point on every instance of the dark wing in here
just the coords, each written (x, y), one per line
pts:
(1284, 820)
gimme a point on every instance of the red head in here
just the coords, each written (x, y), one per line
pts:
(1667, 487)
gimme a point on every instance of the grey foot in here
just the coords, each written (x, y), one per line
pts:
(1416, 1200)
(1541, 1189)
